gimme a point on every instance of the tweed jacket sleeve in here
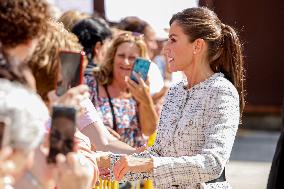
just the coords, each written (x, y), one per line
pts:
(195, 135)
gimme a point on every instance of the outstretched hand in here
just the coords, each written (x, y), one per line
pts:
(131, 164)
(73, 172)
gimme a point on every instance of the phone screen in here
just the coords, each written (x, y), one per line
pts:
(63, 127)
(2, 129)
(71, 73)
(141, 66)
(4, 134)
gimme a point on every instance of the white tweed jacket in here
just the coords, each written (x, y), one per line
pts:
(195, 136)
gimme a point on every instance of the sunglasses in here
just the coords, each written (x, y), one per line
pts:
(136, 35)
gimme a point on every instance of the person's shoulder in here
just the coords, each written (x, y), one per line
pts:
(154, 66)
(90, 80)
(222, 86)
(155, 78)
(89, 77)
(176, 90)
(177, 86)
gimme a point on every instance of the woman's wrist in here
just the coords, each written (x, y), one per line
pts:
(147, 104)
(103, 161)
(149, 165)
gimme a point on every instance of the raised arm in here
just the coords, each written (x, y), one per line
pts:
(148, 116)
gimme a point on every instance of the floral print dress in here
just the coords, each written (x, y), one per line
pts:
(126, 114)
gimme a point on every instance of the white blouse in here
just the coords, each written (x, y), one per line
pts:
(195, 136)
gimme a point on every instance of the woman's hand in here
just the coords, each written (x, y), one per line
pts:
(73, 172)
(73, 97)
(103, 163)
(140, 91)
(141, 149)
(103, 160)
(131, 164)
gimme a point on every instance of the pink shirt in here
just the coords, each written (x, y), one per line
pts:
(89, 116)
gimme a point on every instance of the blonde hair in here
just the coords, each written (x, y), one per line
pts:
(44, 62)
(104, 73)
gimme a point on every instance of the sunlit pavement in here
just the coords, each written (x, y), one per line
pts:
(251, 158)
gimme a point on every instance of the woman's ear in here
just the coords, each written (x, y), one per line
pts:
(198, 46)
(97, 47)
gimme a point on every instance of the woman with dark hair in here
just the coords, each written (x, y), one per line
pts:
(200, 116)
(93, 34)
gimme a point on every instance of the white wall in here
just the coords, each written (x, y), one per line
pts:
(155, 12)
(81, 5)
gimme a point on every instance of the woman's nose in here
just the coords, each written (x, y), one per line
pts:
(126, 61)
(165, 50)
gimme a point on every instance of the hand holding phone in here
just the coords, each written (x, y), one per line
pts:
(141, 66)
(70, 71)
(63, 127)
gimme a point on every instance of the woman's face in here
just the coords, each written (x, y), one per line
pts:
(150, 39)
(22, 52)
(124, 58)
(178, 49)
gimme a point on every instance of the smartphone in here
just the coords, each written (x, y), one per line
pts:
(4, 131)
(70, 71)
(141, 66)
(63, 127)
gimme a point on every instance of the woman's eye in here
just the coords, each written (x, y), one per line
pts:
(121, 55)
(132, 58)
(59, 83)
(172, 40)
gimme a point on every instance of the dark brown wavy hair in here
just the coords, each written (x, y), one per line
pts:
(224, 46)
(22, 20)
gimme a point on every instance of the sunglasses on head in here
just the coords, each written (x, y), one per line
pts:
(136, 35)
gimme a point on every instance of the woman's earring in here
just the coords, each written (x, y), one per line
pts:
(194, 52)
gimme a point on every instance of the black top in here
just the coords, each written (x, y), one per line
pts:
(275, 180)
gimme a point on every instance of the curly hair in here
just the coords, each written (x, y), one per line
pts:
(22, 20)
(104, 73)
(44, 62)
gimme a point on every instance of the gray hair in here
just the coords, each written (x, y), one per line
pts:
(27, 113)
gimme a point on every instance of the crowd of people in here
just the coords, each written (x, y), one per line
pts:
(194, 121)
